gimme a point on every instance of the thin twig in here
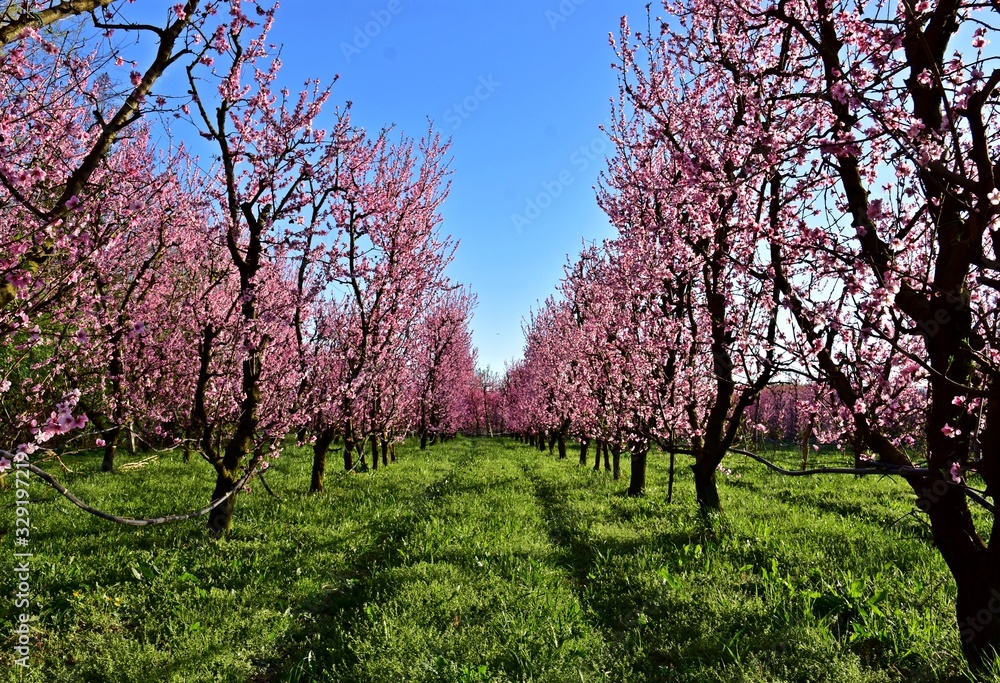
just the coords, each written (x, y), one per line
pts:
(266, 487)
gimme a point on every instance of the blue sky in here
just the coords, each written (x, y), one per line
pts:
(521, 87)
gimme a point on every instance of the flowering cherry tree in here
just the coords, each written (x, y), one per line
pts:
(445, 366)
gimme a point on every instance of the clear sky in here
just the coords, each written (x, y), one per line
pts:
(520, 86)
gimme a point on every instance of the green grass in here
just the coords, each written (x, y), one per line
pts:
(483, 560)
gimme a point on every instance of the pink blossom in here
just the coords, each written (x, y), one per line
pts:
(136, 78)
(73, 203)
(100, 443)
(64, 422)
(4, 464)
(839, 92)
(950, 431)
(955, 472)
(179, 11)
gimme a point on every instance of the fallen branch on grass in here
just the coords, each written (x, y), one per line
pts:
(873, 467)
(138, 464)
(132, 521)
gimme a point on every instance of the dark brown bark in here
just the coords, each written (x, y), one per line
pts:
(637, 474)
(706, 489)
(616, 459)
(220, 519)
(348, 452)
(584, 447)
(320, 449)
(15, 22)
(110, 448)
(597, 455)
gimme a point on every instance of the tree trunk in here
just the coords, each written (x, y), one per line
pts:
(320, 448)
(977, 606)
(706, 489)
(423, 440)
(616, 457)
(607, 458)
(541, 442)
(806, 436)
(348, 451)
(637, 475)
(375, 453)
(110, 448)
(220, 519)
(130, 444)
(552, 442)
(385, 452)
(584, 446)
(597, 455)
(978, 611)
(392, 452)
(561, 443)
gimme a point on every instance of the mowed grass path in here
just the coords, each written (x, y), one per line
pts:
(484, 560)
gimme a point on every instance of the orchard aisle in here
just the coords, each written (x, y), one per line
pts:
(468, 584)
(487, 560)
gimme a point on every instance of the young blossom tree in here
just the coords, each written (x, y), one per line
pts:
(687, 190)
(390, 265)
(272, 160)
(444, 369)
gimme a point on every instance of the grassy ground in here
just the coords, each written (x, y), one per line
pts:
(483, 560)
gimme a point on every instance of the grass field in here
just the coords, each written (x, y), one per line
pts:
(483, 560)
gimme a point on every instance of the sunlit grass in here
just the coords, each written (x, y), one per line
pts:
(483, 560)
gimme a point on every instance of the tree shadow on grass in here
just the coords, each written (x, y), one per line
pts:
(321, 640)
(664, 610)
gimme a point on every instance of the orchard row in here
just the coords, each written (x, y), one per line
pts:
(806, 196)
(290, 280)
